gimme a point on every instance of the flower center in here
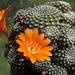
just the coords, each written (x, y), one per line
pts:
(33, 47)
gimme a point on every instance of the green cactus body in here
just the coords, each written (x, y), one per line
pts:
(61, 5)
(42, 16)
(64, 57)
(50, 68)
(71, 69)
(56, 21)
(68, 18)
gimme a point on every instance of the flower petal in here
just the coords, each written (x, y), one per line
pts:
(3, 26)
(33, 59)
(39, 57)
(47, 58)
(25, 53)
(46, 53)
(48, 48)
(5, 13)
(22, 37)
(0, 12)
(44, 43)
(20, 43)
(40, 38)
(28, 35)
(42, 57)
(35, 34)
(21, 49)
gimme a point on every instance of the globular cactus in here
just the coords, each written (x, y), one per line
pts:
(61, 5)
(41, 16)
(49, 68)
(68, 17)
(56, 21)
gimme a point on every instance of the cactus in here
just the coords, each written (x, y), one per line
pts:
(56, 20)
(61, 5)
(50, 68)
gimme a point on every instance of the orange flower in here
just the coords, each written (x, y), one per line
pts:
(3, 26)
(33, 46)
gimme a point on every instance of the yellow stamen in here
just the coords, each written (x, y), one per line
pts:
(33, 47)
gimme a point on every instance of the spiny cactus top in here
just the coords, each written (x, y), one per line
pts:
(41, 16)
(61, 5)
(26, 50)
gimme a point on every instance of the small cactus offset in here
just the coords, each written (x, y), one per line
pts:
(54, 21)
